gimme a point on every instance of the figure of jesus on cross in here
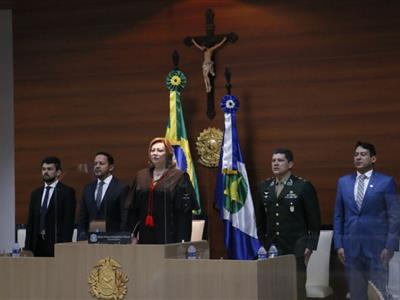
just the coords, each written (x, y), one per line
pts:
(208, 44)
(208, 64)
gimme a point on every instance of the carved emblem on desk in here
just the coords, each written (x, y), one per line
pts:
(107, 280)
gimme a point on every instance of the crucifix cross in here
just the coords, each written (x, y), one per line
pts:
(208, 44)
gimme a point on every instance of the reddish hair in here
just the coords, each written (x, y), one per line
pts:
(169, 151)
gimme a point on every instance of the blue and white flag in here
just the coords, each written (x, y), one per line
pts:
(233, 195)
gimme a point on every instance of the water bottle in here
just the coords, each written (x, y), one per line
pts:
(16, 250)
(273, 251)
(262, 253)
(191, 252)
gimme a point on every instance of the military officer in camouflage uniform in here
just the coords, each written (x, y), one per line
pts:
(288, 214)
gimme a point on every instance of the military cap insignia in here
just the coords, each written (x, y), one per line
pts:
(107, 281)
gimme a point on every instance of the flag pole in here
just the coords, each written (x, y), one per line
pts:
(176, 129)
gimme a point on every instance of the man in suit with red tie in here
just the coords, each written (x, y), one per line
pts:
(103, 199)
(51, 214)
(366, 223)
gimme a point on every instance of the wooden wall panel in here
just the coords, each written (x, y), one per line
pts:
(314, 76)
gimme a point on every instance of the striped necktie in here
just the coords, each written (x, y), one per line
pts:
(99, 194)
(360, 190)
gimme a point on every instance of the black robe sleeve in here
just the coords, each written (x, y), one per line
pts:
(130, 217)
(184, 202)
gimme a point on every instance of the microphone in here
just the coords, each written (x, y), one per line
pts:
(134, 232)
(106, 205)
(56, 213)
(165, 211)
(135, 228)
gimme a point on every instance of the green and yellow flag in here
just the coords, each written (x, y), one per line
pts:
(176, 130)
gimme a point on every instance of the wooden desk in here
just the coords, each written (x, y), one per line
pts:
(154, 272)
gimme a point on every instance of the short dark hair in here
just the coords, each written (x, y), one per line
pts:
(52, 160)
(370, 147)
(288, 153)
(110, 159)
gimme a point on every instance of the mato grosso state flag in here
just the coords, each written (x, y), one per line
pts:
(176, 130)
(233, 196)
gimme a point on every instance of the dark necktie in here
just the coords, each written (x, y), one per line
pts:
(43, 211)
(99, 194)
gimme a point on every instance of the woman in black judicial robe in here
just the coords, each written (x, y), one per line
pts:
(161, 199)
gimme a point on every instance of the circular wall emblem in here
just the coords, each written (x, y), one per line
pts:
(209, 146)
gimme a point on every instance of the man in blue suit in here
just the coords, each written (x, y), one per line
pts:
(366, 223)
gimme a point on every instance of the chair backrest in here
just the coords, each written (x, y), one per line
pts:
(75, 235)
(21, 234)
(197, 230)
(318, 265)
(394, 275)
(373, 292)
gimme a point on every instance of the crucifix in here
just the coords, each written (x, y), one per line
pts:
(208, 44)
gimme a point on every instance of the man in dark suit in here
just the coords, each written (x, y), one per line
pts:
(51, 211)
(366, 223)
(102, 199)
(288, 214)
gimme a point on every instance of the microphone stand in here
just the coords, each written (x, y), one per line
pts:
(101, 223)
(134, 232)
(105, 205)
(55, 216)
(165, 209)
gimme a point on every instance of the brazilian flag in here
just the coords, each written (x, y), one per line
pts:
(176, 129)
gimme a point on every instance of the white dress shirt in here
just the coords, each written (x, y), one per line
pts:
(366, 182)
(51, 190)
(105, 186)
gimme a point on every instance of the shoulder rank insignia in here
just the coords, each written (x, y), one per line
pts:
(107, 281)
(301, 178)
(272, 183)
